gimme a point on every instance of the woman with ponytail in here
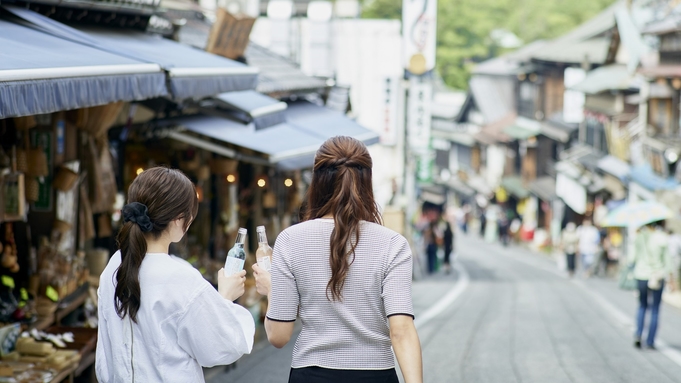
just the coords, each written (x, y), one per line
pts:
(347, 277)
(159, 319)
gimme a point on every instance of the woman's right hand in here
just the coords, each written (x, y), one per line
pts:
(231, 287)
(263, 280)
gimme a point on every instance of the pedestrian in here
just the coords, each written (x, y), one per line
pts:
(431, 241)
(159, 319)
(589, 240)
(652, 265)
(346, 276)
(675, 256)
(569, 242)
(448, 239)
(483, 222)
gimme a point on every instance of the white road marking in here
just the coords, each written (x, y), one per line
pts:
(444, 302)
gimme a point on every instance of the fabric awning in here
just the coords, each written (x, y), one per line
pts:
(514, 185)
(615, 166)
(607, 78)
(544, 188)
(192, 73)
(289, 145)
(523, 128)
(644, 176)
(41, 73)
(262, 110)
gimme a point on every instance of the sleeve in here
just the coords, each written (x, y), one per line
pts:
(214, 330)
(102, 358)
(285, 298)
(396, 292)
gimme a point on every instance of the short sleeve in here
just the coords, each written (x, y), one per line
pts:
(396, 292)
(215, 331)
(283, 306)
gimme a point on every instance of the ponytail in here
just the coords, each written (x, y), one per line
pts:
(341, 185)
(133, 247)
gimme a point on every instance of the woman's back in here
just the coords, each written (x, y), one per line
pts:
(352, 333)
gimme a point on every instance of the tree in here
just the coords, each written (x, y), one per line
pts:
(464, 27)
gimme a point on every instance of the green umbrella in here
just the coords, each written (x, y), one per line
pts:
(637, 214)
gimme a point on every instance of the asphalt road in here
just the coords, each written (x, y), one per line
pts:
(515, 318)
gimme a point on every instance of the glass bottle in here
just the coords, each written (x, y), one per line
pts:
(264, 252)
(236, 256)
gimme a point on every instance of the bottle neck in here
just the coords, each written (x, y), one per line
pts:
(240, 239)
(262, 238)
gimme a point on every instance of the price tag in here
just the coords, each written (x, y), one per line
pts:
(52, 293)
(202, 270)
(24, 294)
(192, 260)
(8, 281)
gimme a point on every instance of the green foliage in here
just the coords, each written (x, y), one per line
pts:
(464, 27)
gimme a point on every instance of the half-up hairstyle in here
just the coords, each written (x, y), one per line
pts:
(341, 185)
(156, 197)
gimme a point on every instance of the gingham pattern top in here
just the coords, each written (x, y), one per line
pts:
(352, 334)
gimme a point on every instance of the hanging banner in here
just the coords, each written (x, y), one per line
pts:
(419, 115)
(389, 126)
(419, 21)
(572, 192)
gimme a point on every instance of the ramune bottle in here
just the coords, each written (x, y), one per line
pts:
(236, 256)
(264, 253)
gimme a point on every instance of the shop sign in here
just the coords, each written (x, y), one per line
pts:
(419, 115)
(424, 167)
(43, 139)
(419, 19)
(389, 126)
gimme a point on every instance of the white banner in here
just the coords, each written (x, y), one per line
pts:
(573, 101)
(418, 115)
(572, 192)
(419, 19)
(389, 122)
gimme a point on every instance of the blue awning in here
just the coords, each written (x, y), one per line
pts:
(262, 110)
(289, 145)
(326, 123)
(644, 176)
(41, 73)
(192, 73)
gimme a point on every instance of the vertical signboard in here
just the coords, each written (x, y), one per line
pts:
(389, 120)
(419, 19)
(573, 101)
(419, 115)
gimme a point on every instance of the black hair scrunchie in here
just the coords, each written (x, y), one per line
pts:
(137, 213)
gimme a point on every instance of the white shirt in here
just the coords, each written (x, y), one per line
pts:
(183, 323)
(589, 239)
(351, 334)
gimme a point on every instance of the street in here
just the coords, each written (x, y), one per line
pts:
(508, 315)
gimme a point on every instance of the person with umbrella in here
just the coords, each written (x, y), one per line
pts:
(650, 259)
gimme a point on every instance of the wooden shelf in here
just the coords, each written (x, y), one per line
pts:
(64, 374)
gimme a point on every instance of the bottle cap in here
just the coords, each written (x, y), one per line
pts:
(260, 229)
(242, 230)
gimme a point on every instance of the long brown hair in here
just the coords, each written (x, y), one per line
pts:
(164, 195)
(341, 185)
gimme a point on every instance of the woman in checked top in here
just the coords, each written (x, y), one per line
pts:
(347, 277)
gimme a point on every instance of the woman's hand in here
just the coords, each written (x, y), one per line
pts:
(263, 280)
(231, 287)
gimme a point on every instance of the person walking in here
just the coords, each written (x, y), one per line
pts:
(448, 239)
(346, 276)
(652, 265)
(431, 241)
(159, 319)
(589, 240)
(569, 242)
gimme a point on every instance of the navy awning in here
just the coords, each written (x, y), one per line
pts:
(192, 73)
(289, 145)
(41, 73)
(262, 110)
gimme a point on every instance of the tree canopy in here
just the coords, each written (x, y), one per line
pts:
(464, 27)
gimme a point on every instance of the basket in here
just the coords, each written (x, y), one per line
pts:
(45, 307)
(96, 261)
(32, 190)
(22, 160)
(62, 227)
(65, 179)
(37, 163)
(25, 123)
